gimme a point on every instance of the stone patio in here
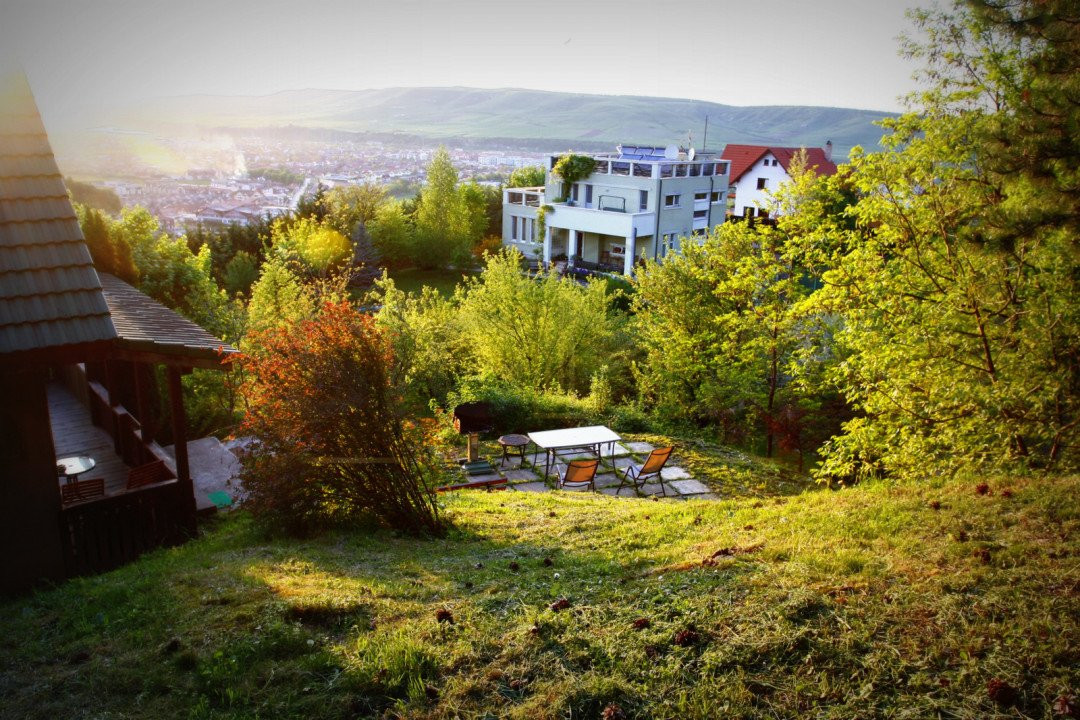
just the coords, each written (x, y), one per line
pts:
(677, 482)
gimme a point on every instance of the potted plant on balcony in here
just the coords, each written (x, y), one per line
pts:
(570, 169)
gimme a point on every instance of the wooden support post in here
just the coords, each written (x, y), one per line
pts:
(29, 487)
(112, 389)
(143, 388)
(183, 472)
(112, 382)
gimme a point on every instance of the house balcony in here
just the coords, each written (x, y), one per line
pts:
(612, 164)
(526, 197)
(607, 221)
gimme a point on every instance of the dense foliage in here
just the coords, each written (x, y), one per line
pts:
(958, 283)
(330, 441)
(529, 176)
(571, 168)
(537, 332)
(450, 217)
(723, 325)
(93, 196)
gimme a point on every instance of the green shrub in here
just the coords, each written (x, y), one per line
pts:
(520, 409)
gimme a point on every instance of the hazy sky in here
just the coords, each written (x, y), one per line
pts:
(754, 52)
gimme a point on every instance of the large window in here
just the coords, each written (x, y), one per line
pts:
(588, 194)
(514, 227)
(574, 192)
(671, 201)
(700, 214)
(698, 197)
(715, 198)
(643, 199)
(761, 183)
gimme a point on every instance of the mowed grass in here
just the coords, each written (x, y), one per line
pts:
(414, 280)
(891, 601)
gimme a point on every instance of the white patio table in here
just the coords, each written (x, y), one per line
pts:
(592, 437)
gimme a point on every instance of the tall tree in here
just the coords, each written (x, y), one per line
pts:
(435, 212)
(349, 206)
(449, 219)
(278, 298)
(320, 248)
(470, 220)
(108, 250)
(392, 234)
(958, 286)
(542, 332)
(721, 323)
(96, 197)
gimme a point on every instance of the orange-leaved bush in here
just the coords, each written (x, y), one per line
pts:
(330, 442)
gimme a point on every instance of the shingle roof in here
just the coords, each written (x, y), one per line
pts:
(743, 157)
(50, 295)
(145, 325)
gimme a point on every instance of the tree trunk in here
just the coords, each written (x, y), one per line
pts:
(771, 402)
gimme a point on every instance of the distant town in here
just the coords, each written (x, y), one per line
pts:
(228, 179)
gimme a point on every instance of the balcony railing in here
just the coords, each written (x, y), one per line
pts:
(527, 198)
(607, 165)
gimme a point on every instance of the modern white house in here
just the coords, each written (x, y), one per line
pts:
(758, 170)
(520, 225)
(639, 202)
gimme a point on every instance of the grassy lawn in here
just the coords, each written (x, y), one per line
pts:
(877, 601)
(413, 280)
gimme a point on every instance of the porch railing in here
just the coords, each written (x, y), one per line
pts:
(122, 427)
(105, 533)
(99, 535)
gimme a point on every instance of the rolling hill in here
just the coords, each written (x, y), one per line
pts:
(508, 114)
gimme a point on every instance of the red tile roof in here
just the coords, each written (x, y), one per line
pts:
(743, 157)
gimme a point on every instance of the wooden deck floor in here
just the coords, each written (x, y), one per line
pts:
(74, 434)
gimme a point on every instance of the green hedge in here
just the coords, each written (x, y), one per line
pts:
(522, 410)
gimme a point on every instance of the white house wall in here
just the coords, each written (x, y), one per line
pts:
(746, 192)
(676, 221)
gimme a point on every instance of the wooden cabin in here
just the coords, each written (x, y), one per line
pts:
(80, 357)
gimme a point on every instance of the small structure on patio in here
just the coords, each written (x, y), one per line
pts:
(76, 351)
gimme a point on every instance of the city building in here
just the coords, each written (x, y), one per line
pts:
(758, 170)
(639, 202)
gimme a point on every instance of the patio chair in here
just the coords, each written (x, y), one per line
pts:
(148, 474)
(636, 475)
(579, 473)
(80, 490)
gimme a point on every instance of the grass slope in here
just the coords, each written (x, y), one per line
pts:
(878, 601)
(523, 114)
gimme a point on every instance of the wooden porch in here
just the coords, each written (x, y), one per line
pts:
(74, 433)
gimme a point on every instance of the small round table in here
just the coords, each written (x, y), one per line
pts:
(72, 467)
(520, 442)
